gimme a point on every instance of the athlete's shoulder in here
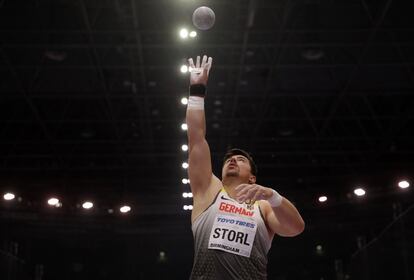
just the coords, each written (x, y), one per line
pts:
(201, 201)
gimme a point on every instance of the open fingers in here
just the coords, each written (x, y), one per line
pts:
(191, 63)
(207, 66)
(198, 62)
(209, 63)
(203, 64)
(204, 61)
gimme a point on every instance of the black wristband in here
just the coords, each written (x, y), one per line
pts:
(198, 90)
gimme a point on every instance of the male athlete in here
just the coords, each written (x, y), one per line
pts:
(233, 220)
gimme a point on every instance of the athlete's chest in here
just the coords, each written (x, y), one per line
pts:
(234, 226)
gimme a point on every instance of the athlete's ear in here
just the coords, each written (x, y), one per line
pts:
(252, 179)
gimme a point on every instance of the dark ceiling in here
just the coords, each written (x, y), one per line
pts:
(320, 92)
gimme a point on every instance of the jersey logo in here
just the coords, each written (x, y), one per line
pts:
(230, 208)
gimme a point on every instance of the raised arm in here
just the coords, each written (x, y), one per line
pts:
(199, 161)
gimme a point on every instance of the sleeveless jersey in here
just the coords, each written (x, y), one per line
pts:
(231, 241)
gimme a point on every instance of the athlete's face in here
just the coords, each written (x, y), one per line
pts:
(237, 166)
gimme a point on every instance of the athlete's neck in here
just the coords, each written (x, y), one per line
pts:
(230, 185)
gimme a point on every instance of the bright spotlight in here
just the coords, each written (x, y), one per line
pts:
(184, 69)
(185, 181)
(403, 184)
(87, 205)
(359, 191)
(184, 148)
(125, 209)
(188, 207)
(9, 196)
(193, 34)
(184, 33)
(184, 165)
(189, 194)
(184, 101)
(322, 198)
(184, 126)
(53, 201)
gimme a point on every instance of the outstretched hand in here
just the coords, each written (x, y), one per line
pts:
(199, 72)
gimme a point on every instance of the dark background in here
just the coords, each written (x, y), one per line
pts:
(320, 92)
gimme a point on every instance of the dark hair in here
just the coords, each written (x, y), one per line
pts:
(235, 151)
